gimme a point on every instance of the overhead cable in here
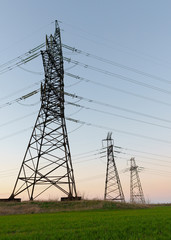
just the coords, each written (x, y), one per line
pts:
(117, 130)
(116, 115)
(116, 107)
(115, 89)
(73, 49)
(111, 74)
(144, 152)
(20, 99)
(93, 109)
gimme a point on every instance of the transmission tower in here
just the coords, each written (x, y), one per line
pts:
(113, 188)
(136, 192)
(47, 161)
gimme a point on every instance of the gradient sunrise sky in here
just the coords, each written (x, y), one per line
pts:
(135, 36)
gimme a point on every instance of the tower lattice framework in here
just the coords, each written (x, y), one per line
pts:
(113, 188)
(136, 192)
(47, 161)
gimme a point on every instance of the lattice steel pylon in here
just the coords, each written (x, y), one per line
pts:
(113, 188)
(47, 161)
(136, 192)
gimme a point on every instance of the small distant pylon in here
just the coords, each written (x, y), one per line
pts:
(136, 192)
(113, 188)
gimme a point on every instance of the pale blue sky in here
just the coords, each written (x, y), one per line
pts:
(134, 33)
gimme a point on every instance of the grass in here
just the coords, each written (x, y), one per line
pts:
(107, 223)
(7, 208)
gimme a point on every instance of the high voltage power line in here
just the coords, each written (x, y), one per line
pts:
(31, 71)
(115, 89)
(96, 110)
(135, 150)
(112, 74)
(23, 59)
(117, 130)
(21, 62)
(31, 54)
(110, 46)
(152, 163)
(159, 171)
(148, 158)
(96, 158)
(126, 149)
(17, 119)
(117, 115)
(116, 64)
(154, 171)
(21, 90)
(88, 152)
(20, 98)
(115, 107)
(87, 80)
(96, 83)
(15, 133)
(91, 101)
(96, 126)
(84, 53)
(100, 150)
(34, 54)
(20, 58)
(3, 173)
(8, 65)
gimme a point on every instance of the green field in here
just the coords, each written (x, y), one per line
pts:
(110, 223)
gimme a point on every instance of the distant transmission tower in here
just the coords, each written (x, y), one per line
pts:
(113, 188)
(136, 192)
(47, 161)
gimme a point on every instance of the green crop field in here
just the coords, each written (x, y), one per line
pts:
(109, 222)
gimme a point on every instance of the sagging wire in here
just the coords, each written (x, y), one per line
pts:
(75, 112)
(17, 119)
(29, 105)
(20, 99)
(119, 76)
(119, 131)
(117, 89)
(30, 71)
(81, 125)
(74, 84)
(78, 51)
